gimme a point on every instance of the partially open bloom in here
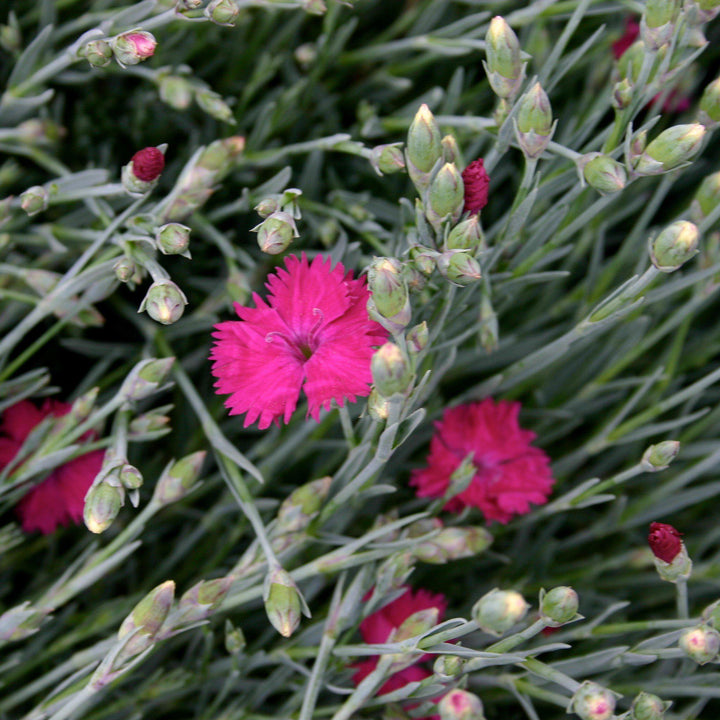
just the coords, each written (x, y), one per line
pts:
(59, 498)
(665, 541)
(378, 627)
(477, 182)
(313, 334)
(509, 474)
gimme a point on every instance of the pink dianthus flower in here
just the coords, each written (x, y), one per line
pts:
(59, 499)
(510, 474)
(314, 334)
(378, 627)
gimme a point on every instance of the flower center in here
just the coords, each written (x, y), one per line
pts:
(301, 344)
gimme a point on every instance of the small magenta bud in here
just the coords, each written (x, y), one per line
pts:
(445, 195)
(701, 644)
(658, 457)
(476, 183)
(133, 47)
(417, 338)
(34, 200)
(673, 147)
(674, 246)
(283, 603)
(222, 12)
(102, 504)
(164, 302)
(391, 370)
(146, 378)
(424, 146)
(387, 285)
(143, 170)
(647, 706)
(302, 505)
(178, 478)
(707, 196)
(460, 705)
(534, 125)
(459, 267)
(213, 104)
(504, 68)
(387, 159)
(276, 232)
(98, 53)
(124, 269)
(559, 605)
(176, 91)
(671, 558)
(173, 239)
(710, 104)
(604, 174)
(446, 667)
(592, 702)
(497, 611)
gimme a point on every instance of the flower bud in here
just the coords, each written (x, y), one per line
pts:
(460, 705)
(302, 505)
(459, 267)
(446, 667)
(592, 702)
(476, 184)
(710, 104)
(214, 105)
(276, 233)
(234, 639)
(130, 477)
(534, 125)
(707, 197)
(133, 47)
(148, 426)
(146, 378)
(658, 23)
(147, 618)
(176, 91)
(647, 706)
(445, 195)
(504, 68)
(164, 302)
(673, 147)
(222, 12)
(453, 543)
(604, 174)
(98, 53)
(416, 624)
(497, 611)
(658, 457)
(417, 338)
(143, 170)
(387, 285)
(173, 239)
(391, 370)
(124, 269)
(378, 407)
(283, 603)
(701, 644)
(102, 504)
(671, 558)
(674, 246)
(34, 200)
(178, 478)
(622, 94)
(202, 599)
(83, 406)
(559, 605)
(267, 207)
(387, 159)
(424, 146)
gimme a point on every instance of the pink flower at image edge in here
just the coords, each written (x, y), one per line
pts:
(59, 499)
(510, 474)
(313, 334)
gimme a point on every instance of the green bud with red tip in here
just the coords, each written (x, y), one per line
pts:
(593, 702)
(460, 705)
(647, 706)
(701, 644)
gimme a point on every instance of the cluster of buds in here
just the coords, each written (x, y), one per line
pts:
(284, 603)
(534, 125)
(497, 611)
(674, 246)
(178, 478)
(129, 48)
(141, 174)
(593, 702)
(392, 370)
(107, 493)
(278, 228)
(164, 302)
(504, 67)
(390, 301)
(670, 149)
(671, 558)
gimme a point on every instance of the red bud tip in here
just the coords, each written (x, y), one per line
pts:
(144, 43)
(664, 541)
(476, 182)
(147, 164)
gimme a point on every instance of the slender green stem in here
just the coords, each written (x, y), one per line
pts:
(682, 599)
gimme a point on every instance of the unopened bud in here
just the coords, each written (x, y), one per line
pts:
(314, 7)
(459, 267)
(102, 504)
(276, 232)
(453, 543)
(133, 47)
(176, 91)
(164, 302)
(34, 200)
(416, 624)
(534, 125)
(238, 287)
(445, 195)
(147, 618)
(593, 702)
(124, 269)
(658, 457)
(146, 378)
(604, 174)
(701, 644)
(466, 235)
(387, 285)
(559, 605)
(391, 370)
(83, 406)
(98, 53)
(424, 146)
(497, 611)
(674, 246)
(173, 239)
(504, 68)
(302, 505)
(673, 147)
(647, 706)
(658, 23)
(710, 104)
(707, 197)
(622, 94)
(446, 667)
(267, 207)
(202, 599)
(670, 555)
(178, 478)
(460, 705)
(283, 602)
(130, 477)
(631, 62)
(143, 170)
(149, 426)
(234, 639)
(222, 12)
(387, 159)
(417, 338)
(451, 150)
(214, 105)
